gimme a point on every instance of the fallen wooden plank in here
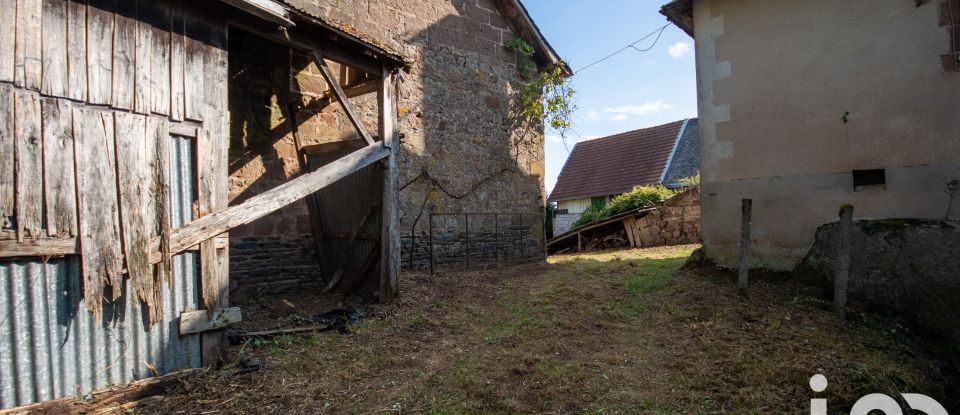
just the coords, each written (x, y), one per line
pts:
(29, 163)
(270, 201)
(54, 48)
(29, 63)
(199, 321)
(99, 222)
(342, 97)
(8, 43)
(77, 49)
(281, 332)
(58, 170)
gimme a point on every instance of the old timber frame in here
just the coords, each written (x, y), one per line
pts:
(114, 209)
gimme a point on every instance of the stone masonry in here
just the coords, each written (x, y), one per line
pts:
(460, 152)
(677, 222)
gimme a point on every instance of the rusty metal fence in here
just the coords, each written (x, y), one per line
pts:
(466, 240)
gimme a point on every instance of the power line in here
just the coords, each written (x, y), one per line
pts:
(657, 32)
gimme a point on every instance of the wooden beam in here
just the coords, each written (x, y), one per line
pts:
(342, 97)
(268, 10)
(199, 321)
(34, 247)
(268, 202)
(390, 233)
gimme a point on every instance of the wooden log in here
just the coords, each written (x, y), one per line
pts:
(124, 54)
(272, 200)
(390, 232)
(7, 157)
(99, 222)
(177, 61)
(144, 83)
(841, 280)
(342, 97)
(100, 14)
(135, 171)
(29, 164)
(54, 48)
(192, 322)
(28, 61)
(77, 49)
(158, 17)
(58, 170)
(8, 42)
(746, 212)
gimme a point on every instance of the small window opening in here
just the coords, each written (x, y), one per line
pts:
(875, 179)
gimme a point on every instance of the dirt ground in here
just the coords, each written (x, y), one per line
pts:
(606, 333)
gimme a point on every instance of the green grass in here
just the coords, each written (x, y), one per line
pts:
(647, 277)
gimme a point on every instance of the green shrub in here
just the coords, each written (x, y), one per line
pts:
(639, 197)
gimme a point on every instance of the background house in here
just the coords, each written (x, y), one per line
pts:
(600, 169)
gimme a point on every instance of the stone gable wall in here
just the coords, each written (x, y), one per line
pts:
(459, 151)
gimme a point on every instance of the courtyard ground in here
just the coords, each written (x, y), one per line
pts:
(605, 333)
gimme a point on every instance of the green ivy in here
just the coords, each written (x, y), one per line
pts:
(544, 97)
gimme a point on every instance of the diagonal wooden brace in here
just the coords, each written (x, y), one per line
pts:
(342, 97)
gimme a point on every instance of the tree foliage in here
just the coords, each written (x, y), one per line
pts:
(544, 97)
(639, 197)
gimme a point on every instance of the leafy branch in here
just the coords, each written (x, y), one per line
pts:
(544, 97)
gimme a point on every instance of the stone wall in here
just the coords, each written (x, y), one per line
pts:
(477, 240)
(460, 151)
(564, 222)
(677, 222)
(906, 267)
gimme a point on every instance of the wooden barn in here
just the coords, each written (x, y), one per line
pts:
(114, 166)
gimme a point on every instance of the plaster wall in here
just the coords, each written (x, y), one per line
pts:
(794, 96)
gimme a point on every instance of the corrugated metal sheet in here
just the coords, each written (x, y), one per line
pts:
(52, 347)
(344, 205)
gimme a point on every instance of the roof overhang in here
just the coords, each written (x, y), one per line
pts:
(680, 13)
(544, 54)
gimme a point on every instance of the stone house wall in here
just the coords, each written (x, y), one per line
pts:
(677, 222)
(460, 151)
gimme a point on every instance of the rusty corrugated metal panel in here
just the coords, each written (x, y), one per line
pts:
(52, 347)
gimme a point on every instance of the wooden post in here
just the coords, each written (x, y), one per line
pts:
(430, 242)
(746, 208)
(543, 219)
(843, 262)
(466, 227)
(520, 236)
(496, 239)
(579, 242)
(390, 232)
(313, 204)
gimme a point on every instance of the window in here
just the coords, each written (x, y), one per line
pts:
(875, 179)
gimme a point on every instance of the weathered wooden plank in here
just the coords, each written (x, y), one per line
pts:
(99, 221)
(58, 170)
(38, 247)
(29, 164)
(100, 17)
(76, 49)
(342, 97)
(159, 131)
(265, 9)
(54, 48)
(177, 59)
(158, 15)
(7, 147)
(135, 171)
(8, 43)
(199, 321)
(272, 200)
(124, 54)
(628, 223)
(390, 232)
(194, 49)
(142, 80)
(28, 62)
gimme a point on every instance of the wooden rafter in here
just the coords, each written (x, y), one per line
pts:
(342, 97)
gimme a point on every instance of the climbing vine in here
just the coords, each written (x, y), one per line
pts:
(544, 97)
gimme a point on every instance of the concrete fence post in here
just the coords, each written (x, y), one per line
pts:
(842, 277)
(746, 211)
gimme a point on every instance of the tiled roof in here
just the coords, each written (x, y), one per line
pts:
(615, 164)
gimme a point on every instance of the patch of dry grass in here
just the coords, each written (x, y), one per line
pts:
(605, 333)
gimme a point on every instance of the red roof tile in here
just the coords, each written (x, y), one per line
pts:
(615, 164)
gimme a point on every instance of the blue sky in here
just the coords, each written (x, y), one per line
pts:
(629, 91)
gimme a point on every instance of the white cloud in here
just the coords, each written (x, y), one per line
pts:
(593, 115)
(623, 112)
(680, 49)
(553, 138)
